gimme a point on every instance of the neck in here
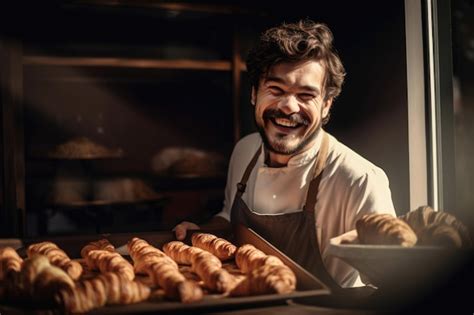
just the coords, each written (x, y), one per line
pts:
(273, 159)
(277, 160)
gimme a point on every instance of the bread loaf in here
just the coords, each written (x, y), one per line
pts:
(423, 221)
(384, 229)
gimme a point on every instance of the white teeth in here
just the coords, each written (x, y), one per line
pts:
(285, 122)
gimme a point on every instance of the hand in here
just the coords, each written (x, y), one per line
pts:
(182, 228)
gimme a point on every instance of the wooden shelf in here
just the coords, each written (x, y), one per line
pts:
(217, 65)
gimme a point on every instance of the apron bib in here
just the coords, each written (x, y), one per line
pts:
(295, 233)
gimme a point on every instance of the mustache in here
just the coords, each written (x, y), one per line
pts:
(298, 118)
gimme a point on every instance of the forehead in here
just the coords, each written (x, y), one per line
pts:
(302, 73)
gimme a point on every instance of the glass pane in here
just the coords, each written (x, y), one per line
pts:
(463, 102)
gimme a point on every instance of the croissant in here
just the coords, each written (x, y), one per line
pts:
(209, 268)
(141, 251)
(384, 229)
(438, 234)
(248, 258)
(180, 252)
(267, 279)
(49, 281)
(106, 261)
(86, 296)
(32, 267)
(57, 257)
(10, 262)
(103, 244)
(106, 288)
(424, 216)
(163, 271)
(219, 247)
(41, 280)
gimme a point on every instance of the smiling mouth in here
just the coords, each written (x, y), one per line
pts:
(285, 123)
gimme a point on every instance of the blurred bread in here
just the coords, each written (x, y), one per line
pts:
(384, 229)
(438, 234)
(83, 148)
(183, 161)
(425, 222)
(123, 189)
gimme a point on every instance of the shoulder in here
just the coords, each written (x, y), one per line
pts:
(351, 166)
(247, 146)
(245, 149)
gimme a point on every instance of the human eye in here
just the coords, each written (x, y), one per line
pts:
(306, 96)
(275, 90)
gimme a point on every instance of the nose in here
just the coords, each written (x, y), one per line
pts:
(289, 105)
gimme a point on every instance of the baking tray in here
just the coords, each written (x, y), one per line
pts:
(307, 284)
(398, 270)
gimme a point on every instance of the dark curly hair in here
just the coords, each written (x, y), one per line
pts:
(304, 40)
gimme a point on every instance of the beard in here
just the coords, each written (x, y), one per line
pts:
(286, 144)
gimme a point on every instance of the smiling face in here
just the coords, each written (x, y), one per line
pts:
(290, 107)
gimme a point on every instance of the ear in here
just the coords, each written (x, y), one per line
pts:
(253, 97)
(326, 108)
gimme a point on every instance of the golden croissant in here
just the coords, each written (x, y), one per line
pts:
(249, 258)
(423, 217)
(439, 234)
(384, 229)
(41, 280)
(267, 279)
(102, 244)
(10, 262)
(219, 247)
(106, 261)
(163, 271)
(180, 252)
(207, 266)
(106, 288)
(57, 257)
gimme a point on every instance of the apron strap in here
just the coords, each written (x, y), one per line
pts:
(312, 195)
(242, 185)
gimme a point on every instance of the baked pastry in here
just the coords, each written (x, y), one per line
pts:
(106, 288)
(49, 281)
(41, 280)
(180, 252)
(57, 257)
(439, 234)
(10, 262)
(83, 148)
(207, 266)
(163, 271)
(384, 229)
(423, 217)
(249, 258)
(86, 296)
(102, 244)
(221, 248)
(267, 279)
(106, 261)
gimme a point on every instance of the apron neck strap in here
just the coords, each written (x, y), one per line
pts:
(243, 182)
(312, 195)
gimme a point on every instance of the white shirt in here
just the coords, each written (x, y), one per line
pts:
(350, 187)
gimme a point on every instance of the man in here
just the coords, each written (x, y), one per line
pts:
(292, 182)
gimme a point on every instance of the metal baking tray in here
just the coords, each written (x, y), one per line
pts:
(307, 284)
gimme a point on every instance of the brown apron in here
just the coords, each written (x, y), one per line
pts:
(294, 233)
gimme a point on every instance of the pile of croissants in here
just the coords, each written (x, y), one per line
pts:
(49, 277)
(423, 226)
